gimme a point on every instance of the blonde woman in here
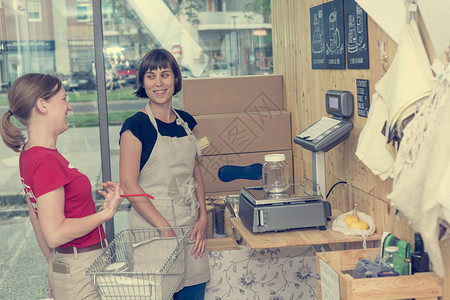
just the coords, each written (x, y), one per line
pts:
(62, 211)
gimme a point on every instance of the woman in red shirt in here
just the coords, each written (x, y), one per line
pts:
(62, 211)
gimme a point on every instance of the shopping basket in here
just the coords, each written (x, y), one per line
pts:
(141, 264)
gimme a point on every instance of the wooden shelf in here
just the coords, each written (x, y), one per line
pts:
(221, 244)
(297, 237)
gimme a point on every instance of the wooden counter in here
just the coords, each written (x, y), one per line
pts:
(297, 237)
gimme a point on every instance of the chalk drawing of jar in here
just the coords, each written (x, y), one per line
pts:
(317, 37)
(335, 37)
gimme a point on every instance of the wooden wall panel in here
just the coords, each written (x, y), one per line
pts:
(305, 91)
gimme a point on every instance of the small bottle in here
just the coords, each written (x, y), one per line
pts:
(406, 268)
(420, 261)
(387, 262)
(275, 173)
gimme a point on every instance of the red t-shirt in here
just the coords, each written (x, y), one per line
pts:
(43, 170)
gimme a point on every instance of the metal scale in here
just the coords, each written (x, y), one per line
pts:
(300, 206)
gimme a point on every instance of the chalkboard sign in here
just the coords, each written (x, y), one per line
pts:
(328, 35)
(357, 36)
(317, 37)
(334, 34)
(363, 96)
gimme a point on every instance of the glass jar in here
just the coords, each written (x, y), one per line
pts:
(387, 262)
(275, 173)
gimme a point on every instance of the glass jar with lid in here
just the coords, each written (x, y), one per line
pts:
(387, 262)
(275, 173)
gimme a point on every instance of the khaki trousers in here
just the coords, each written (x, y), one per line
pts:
(76, 284)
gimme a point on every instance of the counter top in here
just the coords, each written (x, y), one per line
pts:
(297, 237)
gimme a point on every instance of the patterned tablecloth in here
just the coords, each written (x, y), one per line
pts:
(265, 274)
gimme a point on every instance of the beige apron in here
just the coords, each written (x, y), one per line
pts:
(168, 176)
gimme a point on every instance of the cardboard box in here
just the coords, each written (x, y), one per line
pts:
(241, 133)
(237, 94)
(211, 164)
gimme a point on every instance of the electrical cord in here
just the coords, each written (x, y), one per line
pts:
(333, 187)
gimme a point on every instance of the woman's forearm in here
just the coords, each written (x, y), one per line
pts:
(58, 230)
(144, 205)
(69, 229)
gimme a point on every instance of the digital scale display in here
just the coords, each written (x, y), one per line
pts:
(339, 103)
(333, 102)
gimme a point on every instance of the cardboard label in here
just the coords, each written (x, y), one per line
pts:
(329, 282)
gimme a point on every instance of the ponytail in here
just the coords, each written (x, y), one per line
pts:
(12, 135)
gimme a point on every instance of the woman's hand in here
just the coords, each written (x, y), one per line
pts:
(112, 197)
(199, 234)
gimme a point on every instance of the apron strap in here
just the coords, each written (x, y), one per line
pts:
(179, 121)
(151, 117)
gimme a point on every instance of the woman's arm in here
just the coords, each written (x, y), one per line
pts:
(58, 230)
(199, 230)
(46, 250)
(129, 165)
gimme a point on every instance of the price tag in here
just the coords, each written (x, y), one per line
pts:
(329, 282)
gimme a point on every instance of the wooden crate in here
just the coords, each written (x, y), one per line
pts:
(418, 286)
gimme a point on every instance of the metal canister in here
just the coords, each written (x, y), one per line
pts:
(219, 214)
(210, 221)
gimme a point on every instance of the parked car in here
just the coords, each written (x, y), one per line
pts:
(126, 73)
(64, 79)
(81, 80)
(186, 72)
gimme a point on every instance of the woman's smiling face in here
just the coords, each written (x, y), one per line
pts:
(159, 84)
(58, 108)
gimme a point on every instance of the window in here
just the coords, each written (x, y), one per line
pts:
(208, 38)
(34, 10)
(42, 37)
(84, 12)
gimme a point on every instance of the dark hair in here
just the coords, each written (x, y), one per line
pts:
(22, 97)
(153, 60)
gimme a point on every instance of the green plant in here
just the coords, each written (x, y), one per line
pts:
(259, 7)
(91, 119)
(91, 96)
(188, 8)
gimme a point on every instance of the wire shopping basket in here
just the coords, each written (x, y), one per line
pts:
(141, 264)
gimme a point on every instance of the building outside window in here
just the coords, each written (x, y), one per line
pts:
(34, 10)
(208, 37)
(84, 11)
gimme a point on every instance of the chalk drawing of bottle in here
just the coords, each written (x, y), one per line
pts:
(317, 39)
(335, 37)
(352, 42)
(360, 27)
